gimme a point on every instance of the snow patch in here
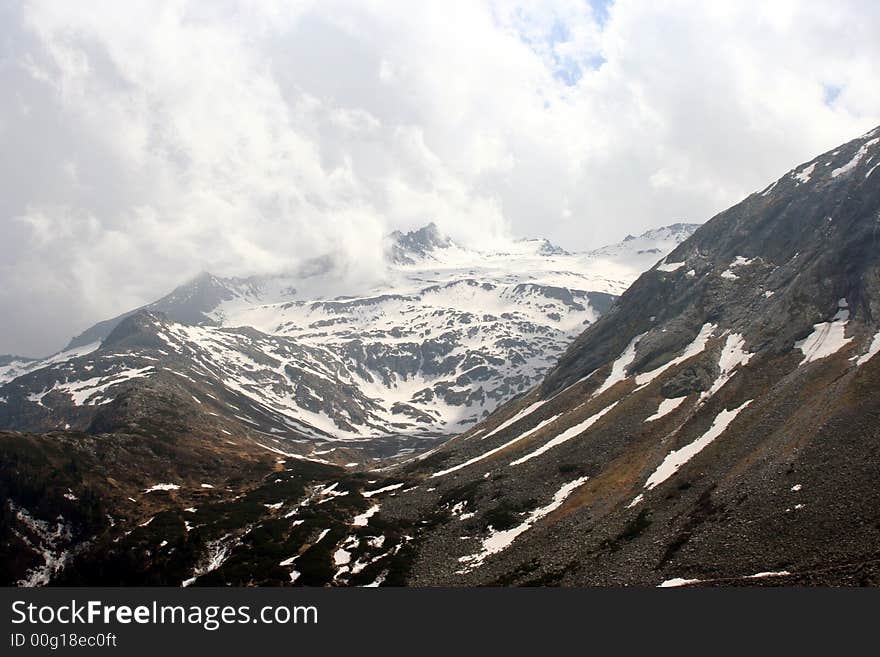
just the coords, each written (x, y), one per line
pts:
(666, 407)
(827, 338)
(341, 557)
(733, 355)
(156, 487)
(804, 175)
(370, 493)
(670, 266)
(854, 162)
(769, 573)
(676, 582)
(636, 500)
(363, 519)
(873, 350)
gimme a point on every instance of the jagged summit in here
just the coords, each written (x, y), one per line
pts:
(406, 247)
(643, 251)
(189, 303)
(679, 230)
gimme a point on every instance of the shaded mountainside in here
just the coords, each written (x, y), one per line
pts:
(718, 425)
(138, 509)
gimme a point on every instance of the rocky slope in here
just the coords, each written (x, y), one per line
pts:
(718, 426)
(136, 508)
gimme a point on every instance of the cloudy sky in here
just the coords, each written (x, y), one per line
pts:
(145, 141)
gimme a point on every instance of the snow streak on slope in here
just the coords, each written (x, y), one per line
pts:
(568, 434)
(619, 366)
(92, 391)
(677, 458)
(665, 408)
(501, 540)
(669, 267)
(873, 350)
(733, 355)
(854, 162)
(528, 410)
(16, 367)
(694, 348)
(494, 451)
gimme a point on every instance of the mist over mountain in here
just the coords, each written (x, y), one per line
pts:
(446, 337)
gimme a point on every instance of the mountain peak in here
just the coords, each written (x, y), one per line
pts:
(139, 329)
(645, 249)
(418, 243)
(544, 246)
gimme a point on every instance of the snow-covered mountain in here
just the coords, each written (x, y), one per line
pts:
(718, 425)
(445, 336)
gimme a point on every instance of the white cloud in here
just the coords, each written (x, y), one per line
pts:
(150, 140)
